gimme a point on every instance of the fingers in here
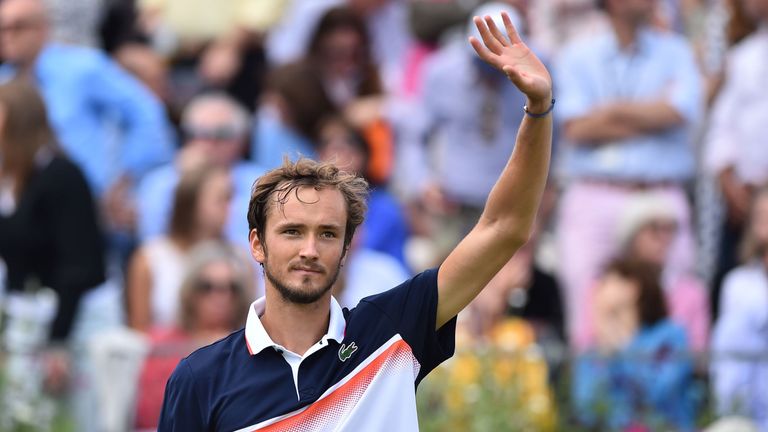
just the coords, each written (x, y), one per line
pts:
(496, 32)
(488, 39)
(480, 49)
(511, 31)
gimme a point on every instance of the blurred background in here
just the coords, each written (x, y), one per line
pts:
(131, 132)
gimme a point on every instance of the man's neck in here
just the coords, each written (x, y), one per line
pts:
(626, 32)
(296, 326)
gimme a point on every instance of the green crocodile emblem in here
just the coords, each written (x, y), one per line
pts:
(345, 352)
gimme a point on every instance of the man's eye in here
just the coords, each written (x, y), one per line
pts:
(291, 232)
(328, 234)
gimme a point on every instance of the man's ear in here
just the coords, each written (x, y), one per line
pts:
(258, 251)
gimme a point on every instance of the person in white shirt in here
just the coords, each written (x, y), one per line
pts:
(740, 337)
(735, 144)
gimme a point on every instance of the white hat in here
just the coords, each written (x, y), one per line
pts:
(639, 212)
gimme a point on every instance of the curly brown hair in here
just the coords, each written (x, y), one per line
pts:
(276, 185)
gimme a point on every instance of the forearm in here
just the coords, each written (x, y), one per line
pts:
(646, 117)
(514, 200)
(138, 293)
(506, 222)
(69, 299)
(595, 130)
(622, 120)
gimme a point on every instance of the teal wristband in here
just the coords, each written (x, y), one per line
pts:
(540, 115)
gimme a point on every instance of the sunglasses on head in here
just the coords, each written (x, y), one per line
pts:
(221, 133)
(206, 286)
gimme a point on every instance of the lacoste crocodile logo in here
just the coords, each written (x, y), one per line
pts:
(345, 352)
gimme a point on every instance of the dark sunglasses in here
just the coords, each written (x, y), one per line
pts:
(206, 286)
(222, 133)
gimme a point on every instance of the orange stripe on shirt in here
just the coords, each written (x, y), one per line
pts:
(335, 404)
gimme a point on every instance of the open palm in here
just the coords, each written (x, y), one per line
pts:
(510, 55)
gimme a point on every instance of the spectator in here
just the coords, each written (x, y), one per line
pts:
(385, 228)
(215, 128)
(735, 145)
(200, 208)
(340, 54)
(49, 230)
(521, 289)
(627, 99)
(339, 51)
(344, 79)
(293, 104)
(386, 20)
(740, 337)
(639, 373)
(89, 99)
(211, 45)
(645, 232)
(469, 141)
(214, 298)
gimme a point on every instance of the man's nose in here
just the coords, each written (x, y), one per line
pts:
(309, 248)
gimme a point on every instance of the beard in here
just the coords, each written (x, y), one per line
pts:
(299, 295)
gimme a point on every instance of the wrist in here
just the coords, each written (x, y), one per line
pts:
(539, 110)
(538, 105)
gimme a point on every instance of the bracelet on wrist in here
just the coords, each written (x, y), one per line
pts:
(540, 115)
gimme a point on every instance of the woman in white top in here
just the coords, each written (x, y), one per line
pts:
(157, 268)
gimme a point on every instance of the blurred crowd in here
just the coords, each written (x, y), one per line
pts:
(131, 132)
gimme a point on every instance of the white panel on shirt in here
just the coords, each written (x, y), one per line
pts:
(378, 395)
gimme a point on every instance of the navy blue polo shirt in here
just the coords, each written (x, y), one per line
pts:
(361, 376)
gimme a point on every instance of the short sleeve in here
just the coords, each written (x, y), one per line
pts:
(182, 410)
(412, 307)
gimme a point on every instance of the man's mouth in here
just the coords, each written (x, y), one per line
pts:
(308, 269)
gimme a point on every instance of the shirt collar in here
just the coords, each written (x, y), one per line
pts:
(643, 42)
(257, 339)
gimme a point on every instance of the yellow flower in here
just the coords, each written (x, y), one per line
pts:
(513, 334)
(465, 369)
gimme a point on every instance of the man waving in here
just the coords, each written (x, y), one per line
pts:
(303, 363)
